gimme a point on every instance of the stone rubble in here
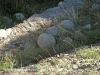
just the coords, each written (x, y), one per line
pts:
(24, 32)
(49, 17)
(22, 35)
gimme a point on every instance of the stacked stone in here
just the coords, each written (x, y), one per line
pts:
(24, 31)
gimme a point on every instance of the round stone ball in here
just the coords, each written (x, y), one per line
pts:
(46, 40)
(68, 24)
(54, 30)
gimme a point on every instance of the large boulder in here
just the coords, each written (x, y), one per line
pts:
(68, 24)
(46, 40)
(54, 30)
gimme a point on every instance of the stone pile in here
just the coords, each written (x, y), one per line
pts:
(23, 34)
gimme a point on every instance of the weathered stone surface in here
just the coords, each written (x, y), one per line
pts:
(19, 16)
(38, 21)
(95, 6)
(75, 4)
(56, 14)
(3, 33)
(8, 31)
(46, 40)
(97, 1)
(88, 26)
(68, 40)
(68, 24)
(54, 30)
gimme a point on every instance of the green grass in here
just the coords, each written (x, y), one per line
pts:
(90, 53)
(7, 61)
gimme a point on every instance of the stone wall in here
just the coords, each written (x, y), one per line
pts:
(23, 36)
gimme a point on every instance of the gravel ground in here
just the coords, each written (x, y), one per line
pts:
(67, 63)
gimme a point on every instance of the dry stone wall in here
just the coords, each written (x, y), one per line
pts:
(22, 36)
